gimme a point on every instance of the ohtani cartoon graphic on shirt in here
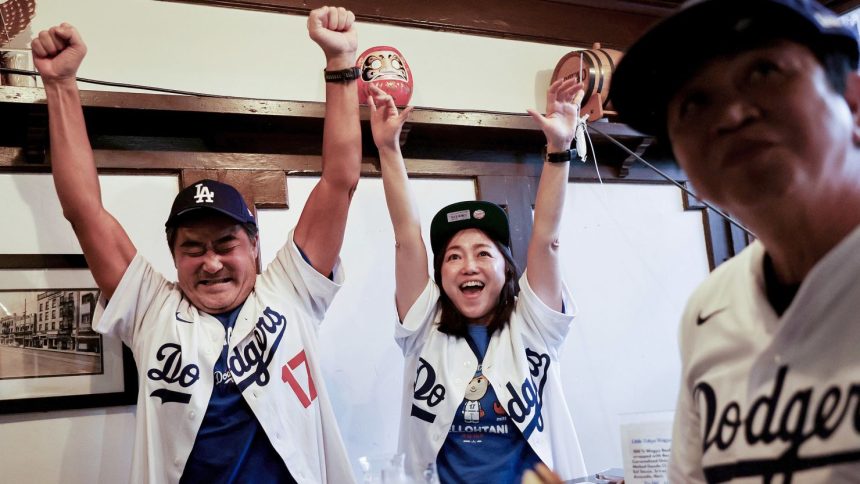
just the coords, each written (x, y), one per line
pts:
(472, 422)
(477, 388)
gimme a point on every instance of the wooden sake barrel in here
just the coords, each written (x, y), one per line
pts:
(594, 67)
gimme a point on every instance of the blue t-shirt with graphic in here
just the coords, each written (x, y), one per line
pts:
(483, 444)
(231, 446)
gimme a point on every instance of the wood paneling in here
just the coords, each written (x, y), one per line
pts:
(515, 195)
(184, 124)
(43, 261)
(723, 239)
(259, 188)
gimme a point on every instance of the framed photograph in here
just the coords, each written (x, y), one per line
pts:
(50, 356)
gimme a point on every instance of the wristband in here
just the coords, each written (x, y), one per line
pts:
(561, 156)
(343, 75)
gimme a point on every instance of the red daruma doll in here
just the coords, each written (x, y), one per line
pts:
(385, 68)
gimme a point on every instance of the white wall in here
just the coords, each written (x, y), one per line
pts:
(79, 446)
(632, 255)
(269, 56)
(76, 446)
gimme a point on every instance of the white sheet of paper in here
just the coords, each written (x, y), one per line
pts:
(646, 442)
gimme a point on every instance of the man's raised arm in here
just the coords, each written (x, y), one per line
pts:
(57, 54)
(319, 232)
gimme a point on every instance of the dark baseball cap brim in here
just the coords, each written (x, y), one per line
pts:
(177, 218)
(485, 216)
(668, 55)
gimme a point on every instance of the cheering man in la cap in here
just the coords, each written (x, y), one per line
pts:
(760, 103)
(230, 383)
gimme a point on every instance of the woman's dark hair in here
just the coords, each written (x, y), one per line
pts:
(453, 322)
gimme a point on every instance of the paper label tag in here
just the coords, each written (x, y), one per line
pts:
(457, 216)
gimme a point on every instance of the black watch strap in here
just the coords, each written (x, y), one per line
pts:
(343, 75)
(561, 156)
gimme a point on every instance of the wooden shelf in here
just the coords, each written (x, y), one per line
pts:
(122, 121)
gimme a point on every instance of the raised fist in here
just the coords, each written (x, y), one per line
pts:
(58, 52)
(331, 28)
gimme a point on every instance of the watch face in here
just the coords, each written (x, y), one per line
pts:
(386, 68)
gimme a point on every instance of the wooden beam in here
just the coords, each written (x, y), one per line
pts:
(43, 261)
(628, 162)
(515, 195)
(534, 20)
(112, 161)
(260, 188)
(140, 102)
(153, 122)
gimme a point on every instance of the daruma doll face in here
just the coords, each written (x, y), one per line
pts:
(385, 68)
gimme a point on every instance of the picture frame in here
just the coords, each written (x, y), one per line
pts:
(50, 356)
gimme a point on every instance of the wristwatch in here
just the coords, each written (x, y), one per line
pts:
(561, 156)
(343, 75)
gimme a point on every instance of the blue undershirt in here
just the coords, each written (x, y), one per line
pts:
(231, 446)
(483, 444)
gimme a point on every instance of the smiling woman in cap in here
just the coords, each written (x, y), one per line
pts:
(761, 107)
(483, 400)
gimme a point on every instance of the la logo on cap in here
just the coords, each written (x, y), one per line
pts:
(203, 194)
(478, 214)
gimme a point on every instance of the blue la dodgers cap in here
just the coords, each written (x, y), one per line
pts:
(210, 195)
(664, 58)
